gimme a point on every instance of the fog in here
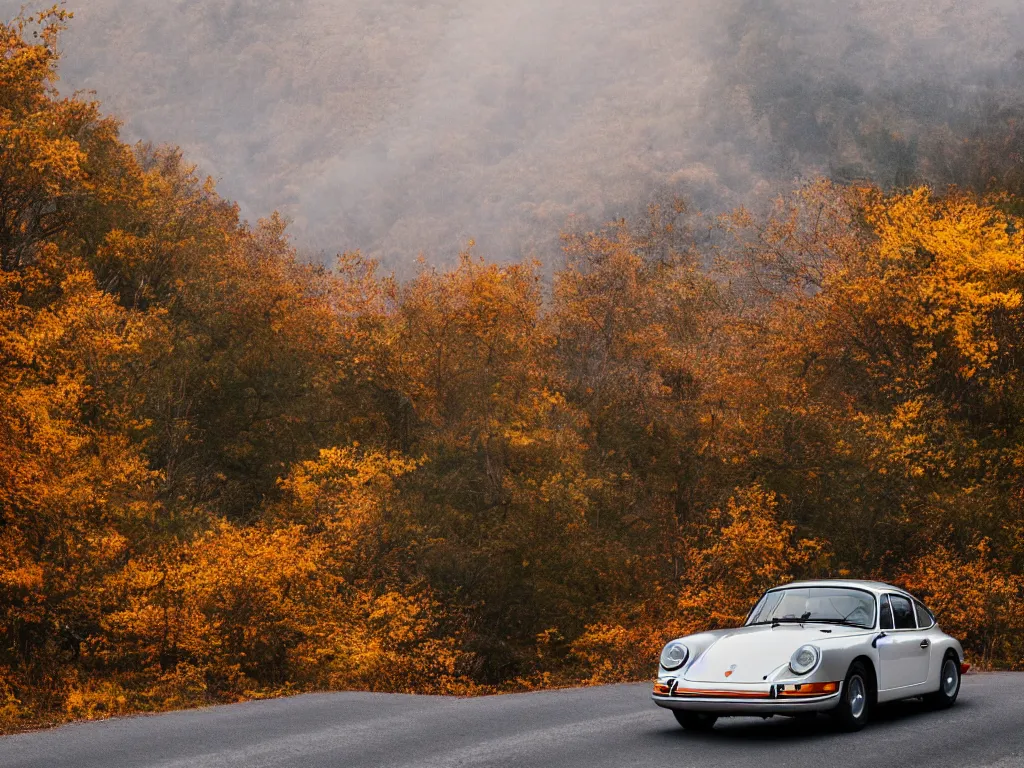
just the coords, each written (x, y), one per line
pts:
(408, 126)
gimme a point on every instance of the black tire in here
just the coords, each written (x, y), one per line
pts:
(855, 702)
(695, 721)
(949, 684)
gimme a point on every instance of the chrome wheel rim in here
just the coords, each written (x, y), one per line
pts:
(950, 678)
(857, 697)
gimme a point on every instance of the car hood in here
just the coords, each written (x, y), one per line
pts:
(752, 654)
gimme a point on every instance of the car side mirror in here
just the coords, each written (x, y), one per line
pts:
(879, 636)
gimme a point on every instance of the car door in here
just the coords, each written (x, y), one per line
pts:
(926, 625)
(904, 651)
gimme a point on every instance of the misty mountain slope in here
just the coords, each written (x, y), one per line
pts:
(397, 126)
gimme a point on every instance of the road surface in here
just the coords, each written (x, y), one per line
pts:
(612, 726)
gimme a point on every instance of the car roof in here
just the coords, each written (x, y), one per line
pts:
(871, 586)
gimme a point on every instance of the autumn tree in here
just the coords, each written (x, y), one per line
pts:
(502, 496)
(888, 399)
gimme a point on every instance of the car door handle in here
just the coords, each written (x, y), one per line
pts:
(925, 644)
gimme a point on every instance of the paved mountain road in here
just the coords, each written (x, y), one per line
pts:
(612, 726)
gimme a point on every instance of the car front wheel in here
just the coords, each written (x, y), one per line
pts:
(855, 703)
(694, 721)
(949, 684)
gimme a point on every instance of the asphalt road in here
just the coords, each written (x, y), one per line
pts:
(612, 726)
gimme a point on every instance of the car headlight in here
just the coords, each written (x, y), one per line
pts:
(804, 660)
(674, 655)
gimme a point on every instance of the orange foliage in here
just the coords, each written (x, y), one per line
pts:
(226, 473)
(742, 552)
(976, 599)
(238, 611)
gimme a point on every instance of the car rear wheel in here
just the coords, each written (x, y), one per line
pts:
(695, 721)
(855, 702)
(949, 684)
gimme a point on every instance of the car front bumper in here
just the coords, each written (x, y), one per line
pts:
(747, 701)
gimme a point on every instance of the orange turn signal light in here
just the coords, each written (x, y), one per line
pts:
(807, 689)
(661, 689)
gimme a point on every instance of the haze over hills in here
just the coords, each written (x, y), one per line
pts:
(401, 126)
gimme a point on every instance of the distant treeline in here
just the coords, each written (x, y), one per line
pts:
(226, 474)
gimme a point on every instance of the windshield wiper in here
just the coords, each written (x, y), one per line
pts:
(773, 622)
(842, 622)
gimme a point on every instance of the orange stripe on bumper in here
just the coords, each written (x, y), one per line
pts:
(719, 694)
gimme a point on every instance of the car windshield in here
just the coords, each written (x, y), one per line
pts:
(832, 605)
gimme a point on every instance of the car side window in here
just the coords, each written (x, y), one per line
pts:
(924, 616)
(886, 622)
(902, 612)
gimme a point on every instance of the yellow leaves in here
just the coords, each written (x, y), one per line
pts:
(613, 653)
(469, 347)
(944, 269)
(344, 484)
(226, 598)
(517, 439)
(975, 599)
(96, 701)
(742, 552)
(13, 713)
(58, 154)
(55, 161)
(25, 67)
(17, 576)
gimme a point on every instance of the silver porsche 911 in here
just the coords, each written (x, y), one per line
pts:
(814, 646)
